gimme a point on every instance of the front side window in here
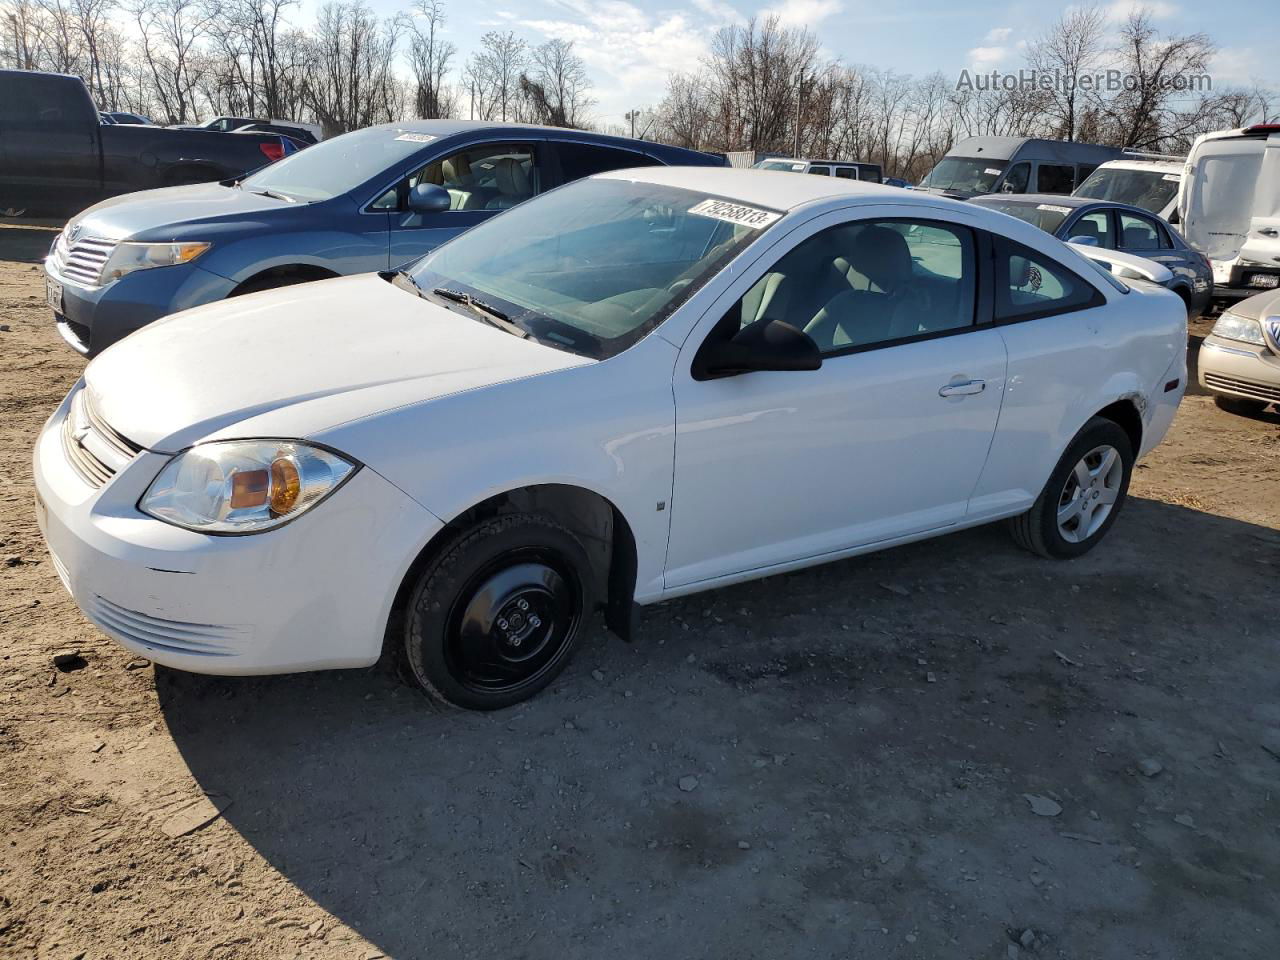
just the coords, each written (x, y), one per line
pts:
(1030, 284)
(1140, 233)
(1095, 226)
(595, 265)
(1018, 179)
(867, 283)
(1055, 178)
(491, 176)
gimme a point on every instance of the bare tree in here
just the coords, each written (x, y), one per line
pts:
(429, 56)
(349, 81)
(1070, 49)
(493, 76)
(555, 88)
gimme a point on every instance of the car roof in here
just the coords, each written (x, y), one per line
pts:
(1139, 163)
(1058, 200)
(450, 128)
(765, 188)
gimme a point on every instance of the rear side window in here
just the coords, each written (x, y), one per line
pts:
(1055, 178)
(847, 173)
(1141, 233)
(578, 160)
(1030, 284)
(45, 104)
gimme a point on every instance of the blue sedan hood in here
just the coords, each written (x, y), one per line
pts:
(180, 213)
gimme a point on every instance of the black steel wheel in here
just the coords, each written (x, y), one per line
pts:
(496, 616)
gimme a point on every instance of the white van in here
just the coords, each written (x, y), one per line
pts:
(1147, 180)
(1229, 207)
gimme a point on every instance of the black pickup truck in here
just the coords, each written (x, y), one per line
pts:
(58, 157)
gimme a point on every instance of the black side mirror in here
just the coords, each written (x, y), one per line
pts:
(428, 198)
(763, 345)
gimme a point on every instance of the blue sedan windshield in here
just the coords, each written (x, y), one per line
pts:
(593, 266)
(339, 165)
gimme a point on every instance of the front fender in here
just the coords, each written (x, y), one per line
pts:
(606, 427)
(336, 251)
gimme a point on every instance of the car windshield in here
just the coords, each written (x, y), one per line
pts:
(796, 165)
(1047, 216)
(593, 266)
(1150, 189)
(337, 166)
(967, 175)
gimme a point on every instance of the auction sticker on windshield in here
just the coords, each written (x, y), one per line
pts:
(1052, 208)
(416, 137)
(737, 213)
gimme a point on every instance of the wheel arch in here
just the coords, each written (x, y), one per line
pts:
(599, 524)
(294, 272)
(1126, 413)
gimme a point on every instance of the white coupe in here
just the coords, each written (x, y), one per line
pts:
(638, 386)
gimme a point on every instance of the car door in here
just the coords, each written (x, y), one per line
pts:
(483, 179)
(887, 439)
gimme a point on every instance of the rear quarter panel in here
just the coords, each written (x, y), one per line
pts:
(1064, 369)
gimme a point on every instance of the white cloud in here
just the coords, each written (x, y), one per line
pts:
(1239, 67)
(719, 10)
(993, 50)
(1159, 9)
(803, 13)
(629, 51)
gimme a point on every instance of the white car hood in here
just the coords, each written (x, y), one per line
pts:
(293, 361)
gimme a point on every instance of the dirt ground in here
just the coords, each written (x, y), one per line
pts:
(870, 741)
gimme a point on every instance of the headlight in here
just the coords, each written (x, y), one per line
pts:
(1231, 327)
(243, 486)
(128, 257)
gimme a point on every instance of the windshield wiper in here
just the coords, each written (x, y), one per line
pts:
(404, 275)
(493, 315)
(275, 196)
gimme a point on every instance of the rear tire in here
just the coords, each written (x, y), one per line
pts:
(497, 614)
(1083, 495)
(1240, 406)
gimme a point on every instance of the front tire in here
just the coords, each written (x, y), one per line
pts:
(1083, 495)
(497, 614)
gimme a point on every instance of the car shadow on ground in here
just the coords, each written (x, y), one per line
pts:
(27, 241)
(860, 733)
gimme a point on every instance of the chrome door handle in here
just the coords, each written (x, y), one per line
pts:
(962, 388)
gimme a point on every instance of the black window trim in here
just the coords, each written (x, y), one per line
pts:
(1097, 300)
(983, 290)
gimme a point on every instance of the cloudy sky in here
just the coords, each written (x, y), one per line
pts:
(631, 47)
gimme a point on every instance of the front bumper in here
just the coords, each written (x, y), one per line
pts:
(1235, 369)
(311, 595)
(93, 318)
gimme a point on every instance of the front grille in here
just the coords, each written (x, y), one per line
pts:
(81, 260)
(1246, 388)
(158, 633)
(94, 449)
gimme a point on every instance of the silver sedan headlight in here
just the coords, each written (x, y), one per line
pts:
(244, 486)
(128, 257)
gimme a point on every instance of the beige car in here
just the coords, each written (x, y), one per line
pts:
(1240, 360)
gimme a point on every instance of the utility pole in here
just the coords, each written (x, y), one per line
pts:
(799, 99)
(17, 54)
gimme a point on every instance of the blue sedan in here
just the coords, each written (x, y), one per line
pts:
(375, 199)
(1116, 226)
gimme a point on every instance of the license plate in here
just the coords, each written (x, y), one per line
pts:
(1265, 280)
(53, 293)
